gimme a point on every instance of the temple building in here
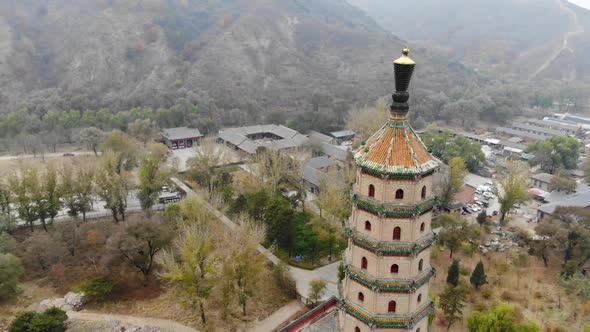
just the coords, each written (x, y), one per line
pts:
(386, 284)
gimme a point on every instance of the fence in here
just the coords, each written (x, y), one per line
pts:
(311, 315)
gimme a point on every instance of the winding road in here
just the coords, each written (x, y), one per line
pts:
(577, 30)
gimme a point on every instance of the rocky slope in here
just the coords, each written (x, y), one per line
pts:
(248, 54)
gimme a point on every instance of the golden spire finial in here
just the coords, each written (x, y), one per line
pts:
(405, 59)
(406, 51)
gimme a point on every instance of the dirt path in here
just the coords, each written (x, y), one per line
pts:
(578, 29)
(164, 324)
(283, 315)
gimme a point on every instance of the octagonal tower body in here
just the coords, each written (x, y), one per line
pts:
(386, 287)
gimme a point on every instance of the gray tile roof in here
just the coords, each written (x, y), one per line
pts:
(320, 136)
(335, 152)
(543, 177)
(319, 162)
(542, 130)
(180, 133)
(578, 200)
(238, 137)
(514, 132)
(342, 133)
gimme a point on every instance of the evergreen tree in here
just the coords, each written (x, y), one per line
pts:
(452, 302)
(453, 276)
(478, 277)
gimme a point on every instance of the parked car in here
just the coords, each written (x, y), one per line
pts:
(68, 154)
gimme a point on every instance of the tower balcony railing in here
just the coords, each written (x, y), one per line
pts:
(393, 210)
(388, 320)
(391, 284)
(390, 247)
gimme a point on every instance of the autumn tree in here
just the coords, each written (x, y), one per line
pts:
(453, 183)
(520, 260)
(512, 190)
(112, 187)
(334, 199)
(482, 218)
(456, 231)
(366, 121)
(42, 250)
(142, 129)
(8, 244)
(317, 289)
(51, 194)
(138, 242)
(92, 137)
(500, 318)
(151, 178)
(11, 269)
(24, 187)
(190, 267)
(562, 181)
(205, 168)
(556, 152)
(274, 169)
(124, 150)
(452, 303)
(478, 277)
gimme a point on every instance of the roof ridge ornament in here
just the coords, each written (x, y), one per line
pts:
(403, 69)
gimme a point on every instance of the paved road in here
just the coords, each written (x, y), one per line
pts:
(302, 277)
(278, 318)
(164, 324)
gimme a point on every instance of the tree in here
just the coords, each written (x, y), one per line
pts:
(512, 191)
(274, 168)
(467, 150)
(41, 251)
(51, 193)
(51, 320)
(334, 199)
(8, 244)
(124, 150)
(142, 129)
(366, 121)
(478, 277)
(138, 243)
(453, 184)
(455, 231)
(205, 166)
(151, 178)
(501, 318)
(452, 302)
(561, 181)
(520, 260)
(24, 188)
(279, 219)
(577, 284)
(84, 189)
(453, 273)
(317, 289)
(11, 270)
(556, 152)
(482, 218)
(92, 137)
(112, 187)
(190, 267)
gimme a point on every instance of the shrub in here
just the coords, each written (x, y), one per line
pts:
(285, 280)
(486, 293)
(97, 289)
(11, 270)
(22, 322)
(506, 296)
(51, 320)
(464, 271)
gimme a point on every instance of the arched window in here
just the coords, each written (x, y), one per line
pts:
(371, 190)
(422, 226)
(397, 233)
(418, 330)
(357, 329)
(391, 306)
(394, 268)
(367, 225)
(419, 298)
(364, 263)
(423, 195)
(420, 265)
(361, 296)
(399, 194)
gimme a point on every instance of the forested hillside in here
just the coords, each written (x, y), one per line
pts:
(241, 58)
(528, 38)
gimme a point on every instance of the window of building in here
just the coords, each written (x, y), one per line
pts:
(367, 225)
(419, 298)
(371, 190)
(397, 233)
(418, 330)
(422, 226)
(391, 306)
(364, 263)
(357, 329)
(394, 268)
(420, 264)
(399, 194)
(361, 296)
(423, 195)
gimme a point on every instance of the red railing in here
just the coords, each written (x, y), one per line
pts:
(311, 315)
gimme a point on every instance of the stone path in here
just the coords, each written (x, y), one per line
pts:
(163, 324)
(278, 318)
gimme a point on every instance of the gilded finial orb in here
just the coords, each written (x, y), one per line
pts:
(406, 51)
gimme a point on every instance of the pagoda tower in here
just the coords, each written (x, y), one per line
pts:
(387, 261)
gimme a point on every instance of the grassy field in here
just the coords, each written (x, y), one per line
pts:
(534, 290)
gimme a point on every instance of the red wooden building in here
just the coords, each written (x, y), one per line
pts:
(181, 137)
